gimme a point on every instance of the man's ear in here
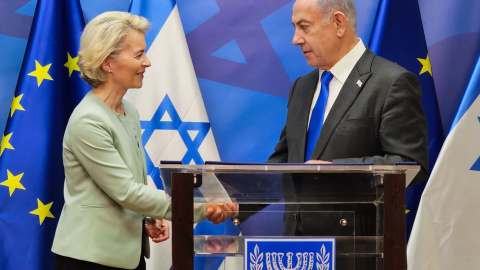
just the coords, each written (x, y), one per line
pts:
(340, 21)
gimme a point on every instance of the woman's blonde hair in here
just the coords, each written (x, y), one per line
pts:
(103, 38)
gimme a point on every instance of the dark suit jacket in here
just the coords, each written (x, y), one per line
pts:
(382, 121)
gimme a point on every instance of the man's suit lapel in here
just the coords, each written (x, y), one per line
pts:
(302, 112)
(347, 96)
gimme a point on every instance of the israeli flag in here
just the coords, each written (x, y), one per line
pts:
(445, 233)
(174, 122)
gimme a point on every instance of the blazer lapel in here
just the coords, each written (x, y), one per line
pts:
(348, 94)
(303, 101)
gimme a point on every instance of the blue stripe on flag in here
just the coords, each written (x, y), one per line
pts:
(156, 12)
(471, 93)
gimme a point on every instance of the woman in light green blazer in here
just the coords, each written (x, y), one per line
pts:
(106, 197)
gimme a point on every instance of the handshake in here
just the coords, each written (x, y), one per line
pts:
(219, 212)
(159, 230)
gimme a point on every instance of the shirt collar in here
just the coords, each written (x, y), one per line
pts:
(341, 70)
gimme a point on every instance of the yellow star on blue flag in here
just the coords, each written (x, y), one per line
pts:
(71, 64)
(16, 105)
(43, 211)
(426, 66)
(13, 182)
(5, 144)
(41, 73)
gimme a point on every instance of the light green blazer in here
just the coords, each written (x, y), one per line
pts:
(106, 197)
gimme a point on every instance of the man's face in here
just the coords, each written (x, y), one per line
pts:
(315, 35)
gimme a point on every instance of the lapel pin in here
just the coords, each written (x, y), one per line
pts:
(359, 83)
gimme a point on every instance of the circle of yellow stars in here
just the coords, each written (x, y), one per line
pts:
(13, 181)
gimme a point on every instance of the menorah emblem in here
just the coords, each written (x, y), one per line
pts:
(304, 260)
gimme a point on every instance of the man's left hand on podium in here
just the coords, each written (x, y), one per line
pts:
(316, 161)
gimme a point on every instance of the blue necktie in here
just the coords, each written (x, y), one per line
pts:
(316, 120)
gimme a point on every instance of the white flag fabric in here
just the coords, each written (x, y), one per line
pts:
(174, 122)
(171, 82)
(445, 233)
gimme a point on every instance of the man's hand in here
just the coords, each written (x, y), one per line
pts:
(316, 161)
(218, 213)
(157, 229)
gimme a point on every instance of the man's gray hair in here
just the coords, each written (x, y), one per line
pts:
(347, 7)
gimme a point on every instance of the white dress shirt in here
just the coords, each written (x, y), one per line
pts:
(341, 70)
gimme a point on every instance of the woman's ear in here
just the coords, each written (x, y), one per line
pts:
(106, 66)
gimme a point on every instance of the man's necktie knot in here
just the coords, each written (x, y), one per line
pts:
(326, 78)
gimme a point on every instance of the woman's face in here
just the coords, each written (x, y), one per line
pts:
(129, 65)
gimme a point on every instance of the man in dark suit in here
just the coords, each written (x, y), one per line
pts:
(373, 113)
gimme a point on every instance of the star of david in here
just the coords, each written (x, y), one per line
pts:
(244, 21)
(182, 127)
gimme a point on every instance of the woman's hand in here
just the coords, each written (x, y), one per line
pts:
(158, 230)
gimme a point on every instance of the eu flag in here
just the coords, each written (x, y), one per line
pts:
(31, 169)
(398, 36)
